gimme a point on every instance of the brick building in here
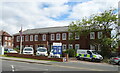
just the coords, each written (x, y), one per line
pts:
(46, 36)
(6, 39)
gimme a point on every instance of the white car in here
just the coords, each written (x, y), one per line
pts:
(54, 55)
(11, 51)
(28, 50)
(42, 51)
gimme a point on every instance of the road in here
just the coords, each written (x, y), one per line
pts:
(56, 66)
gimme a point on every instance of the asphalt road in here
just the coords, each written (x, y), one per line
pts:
(56, 66)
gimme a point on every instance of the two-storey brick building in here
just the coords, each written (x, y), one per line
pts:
(6, 39)
(47, 36)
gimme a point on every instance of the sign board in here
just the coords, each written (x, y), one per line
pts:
(1, 50)
(57, 48)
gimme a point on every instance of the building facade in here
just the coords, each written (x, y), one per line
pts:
(6, 39)
(47, 36)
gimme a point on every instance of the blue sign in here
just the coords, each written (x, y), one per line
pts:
(57, 49)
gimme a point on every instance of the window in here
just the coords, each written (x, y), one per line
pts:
(26, 45)
(77, 46)
(31, 37)
(58, 36)
(5, 38)
(52, 36)
(36, 37)
(5, 44)
(92, 35)
(99, 35)
(70, 35)
(44, 37)
(92, 47)
(17, 46)
(22, 38)
(76, 36)
(64, 47)
(18, 38)
(31, 46)
(99, 47)
(9, 38)
(26, 38)
(63, 36)
(70, 46)
(9, 44)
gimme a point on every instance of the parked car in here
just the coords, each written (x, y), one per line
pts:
(54, 55)
(8, 50)
(28, 50)
(42, 51)
(90, 55)
(115, 60)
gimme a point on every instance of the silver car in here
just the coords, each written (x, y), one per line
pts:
(115, 60)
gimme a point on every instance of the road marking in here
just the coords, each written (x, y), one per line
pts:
(78, 67)
(13, 68)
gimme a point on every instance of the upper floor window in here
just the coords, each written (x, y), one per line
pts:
(76, 36)
(52, 36)
(77, 46)
(58, 36)
(36, 37)
(18, 38)
(70, 35)
(6, 38)
(26, 38)
(44, 37)
(31, 37)
(63, 36)
(9, 38)
(92, 35)
(99, 35)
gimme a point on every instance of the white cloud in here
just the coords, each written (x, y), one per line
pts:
(92, 7)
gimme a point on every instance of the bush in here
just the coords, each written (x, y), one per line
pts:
(70, 52)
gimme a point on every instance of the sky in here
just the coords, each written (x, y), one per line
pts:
(32, 14)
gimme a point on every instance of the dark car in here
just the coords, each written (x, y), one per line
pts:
(115, 60)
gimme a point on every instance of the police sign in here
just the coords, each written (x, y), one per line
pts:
(57, 48)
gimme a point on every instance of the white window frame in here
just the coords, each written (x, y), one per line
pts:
(18, 38)
(22, 38)
(92, 47)
(77, 45)
(64, 36)
(26, 38)
(6, 38)
(64, 47)
(70, 45)
(36, 38)
(44, 37)
(31, 37)
(58, 36)
(5, 44)
(9, 43)
(99, 35)
(77, 36)
(52, 37)
(92, 35)
(70, 35)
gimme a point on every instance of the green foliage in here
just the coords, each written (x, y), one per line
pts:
(97, 22)
(70, 52)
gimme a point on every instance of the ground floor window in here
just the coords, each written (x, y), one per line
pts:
(77, 46)
(92, 47)
(70, 46)
(64, 47)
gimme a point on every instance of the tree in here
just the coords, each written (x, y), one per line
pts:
(97, 22)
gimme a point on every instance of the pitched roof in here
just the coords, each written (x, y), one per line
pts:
(4, 33)
(45, 30)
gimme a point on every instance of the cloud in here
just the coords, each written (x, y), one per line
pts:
(47, 13)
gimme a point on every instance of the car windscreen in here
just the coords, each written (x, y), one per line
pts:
(94, 52)
(28, 49)
(42, 50)
(11, 50)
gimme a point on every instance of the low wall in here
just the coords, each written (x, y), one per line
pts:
(34, 57)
